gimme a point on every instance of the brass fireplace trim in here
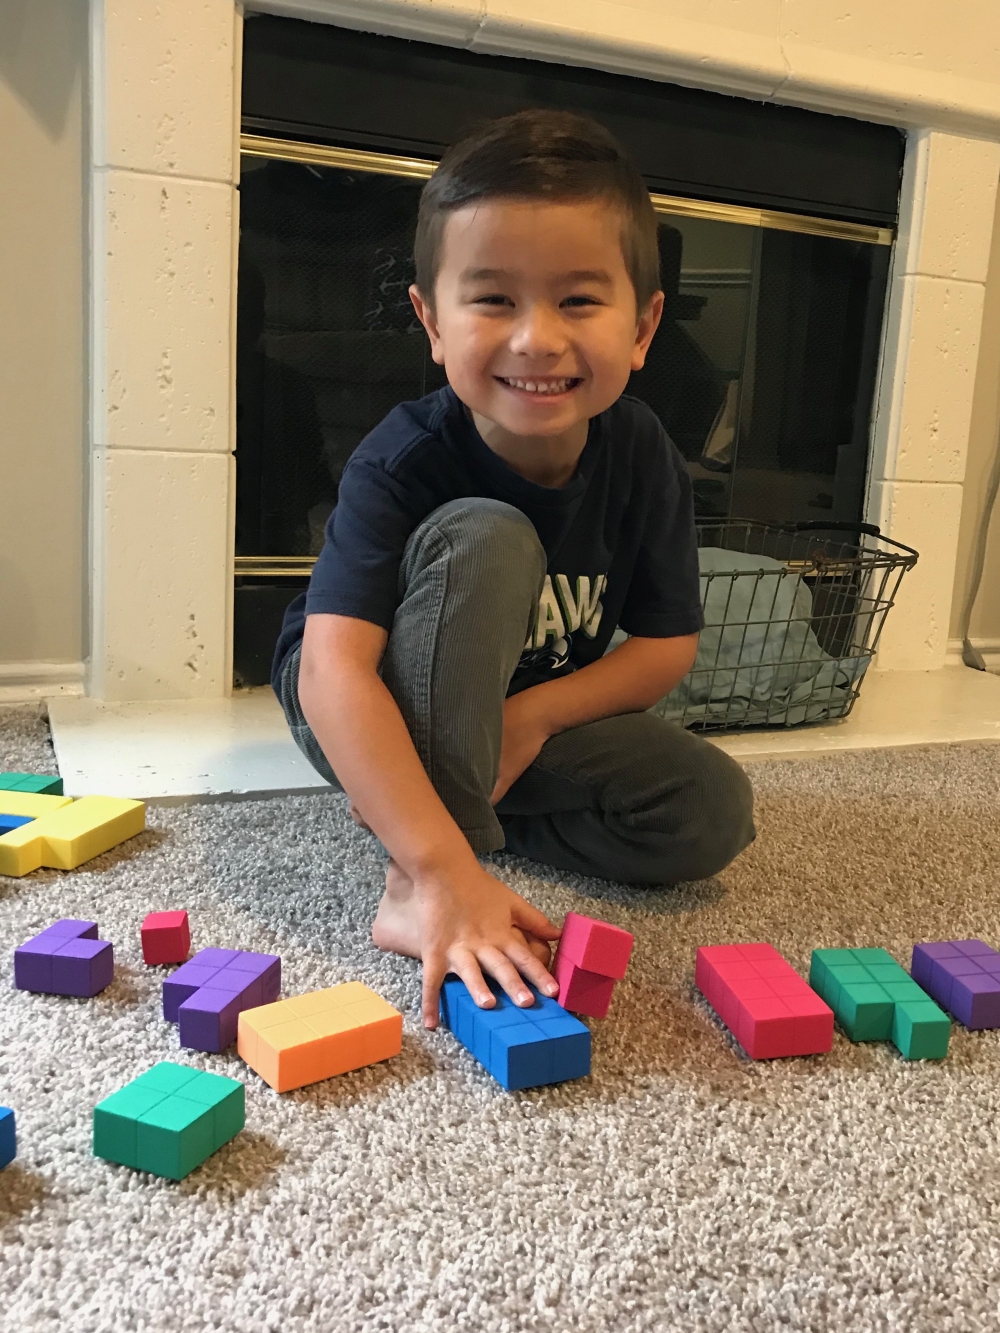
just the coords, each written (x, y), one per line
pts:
(417, 168)
(273, 566)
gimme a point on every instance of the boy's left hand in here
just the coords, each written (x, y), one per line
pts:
(524, 733)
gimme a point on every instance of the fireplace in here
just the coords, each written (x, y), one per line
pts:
(165, 99)
(763, 368)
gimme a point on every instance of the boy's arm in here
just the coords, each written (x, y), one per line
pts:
(467, 921)
(628, 680)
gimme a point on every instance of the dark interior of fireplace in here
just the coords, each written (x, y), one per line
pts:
(763, 369)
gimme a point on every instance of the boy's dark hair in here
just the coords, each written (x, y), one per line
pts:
(550, 155)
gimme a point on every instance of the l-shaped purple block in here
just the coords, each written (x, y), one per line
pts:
(963, 976)
(207, 993)
(65, 959)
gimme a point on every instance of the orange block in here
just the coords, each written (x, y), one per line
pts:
(311, 1037)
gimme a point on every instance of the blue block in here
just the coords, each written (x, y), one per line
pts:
(521, 1048)
(8, 1136)
(11, 822)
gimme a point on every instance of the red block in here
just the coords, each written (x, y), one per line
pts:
(580, 991)
(595, 946)
(166, 937)
(763, 1001)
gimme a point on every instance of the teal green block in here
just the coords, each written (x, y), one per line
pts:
(851, 974)
(902, 990)
(115, 1121)
(921, 1030)
(865, 1011)
(169, 1119)
(868, 956)
(886, 972)
(37, 783)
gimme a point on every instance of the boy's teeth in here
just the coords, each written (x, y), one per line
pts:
(539, 386)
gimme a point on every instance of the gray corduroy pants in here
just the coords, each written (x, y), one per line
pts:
(630, 798)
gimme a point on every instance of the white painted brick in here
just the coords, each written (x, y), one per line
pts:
(165, 586)
(947, 206)
(168, 314)
(925, 516)
(447, 22)
(170, 97)
(928, 381)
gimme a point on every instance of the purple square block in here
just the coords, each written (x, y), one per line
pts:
(249, 962)
(973, 948)
(82, 967)
(214, 957)
(208, 1020)
(989, 963)
(924, 957)
(975, 1000)
(183, 983)
(66, 958)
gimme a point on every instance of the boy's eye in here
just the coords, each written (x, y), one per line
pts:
(492, 298)
(577, 301)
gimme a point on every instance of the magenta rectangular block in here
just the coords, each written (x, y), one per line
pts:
(963, 977)
(66, 958)
(763, 1001)
(580, 991)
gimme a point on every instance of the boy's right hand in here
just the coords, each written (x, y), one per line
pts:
(470, 923)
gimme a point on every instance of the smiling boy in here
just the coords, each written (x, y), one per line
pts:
(447, 667)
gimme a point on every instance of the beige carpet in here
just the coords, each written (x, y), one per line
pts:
(680, 1187)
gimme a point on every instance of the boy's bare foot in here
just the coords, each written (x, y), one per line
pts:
(396, 927)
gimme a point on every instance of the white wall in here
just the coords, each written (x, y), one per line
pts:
(42, 585)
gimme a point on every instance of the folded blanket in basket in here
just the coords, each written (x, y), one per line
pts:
(759, 661)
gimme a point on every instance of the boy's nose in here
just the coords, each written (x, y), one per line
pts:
(538, 333)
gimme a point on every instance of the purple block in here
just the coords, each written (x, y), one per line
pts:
(206, 995)
(82, 967)
(66, 958)
(963, 976)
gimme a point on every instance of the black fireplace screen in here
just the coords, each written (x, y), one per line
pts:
(762, 370)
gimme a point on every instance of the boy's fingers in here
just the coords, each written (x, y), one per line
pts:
(466, 964)
(499, 966)
(536, 972)
(435, 971)
(531, 919)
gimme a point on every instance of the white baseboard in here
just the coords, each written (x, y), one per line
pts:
(990, 649)
(22, 682)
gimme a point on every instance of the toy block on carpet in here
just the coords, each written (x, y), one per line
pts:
(592, 955)
(963, 977)
(874, 999)
(65, 959)
(8, 1136)
(39, 783)
(318, 1035)
(763, 1001)
(64, 833)
(8, 822)
(166, 937)
(206, 995)
(169, 1120)
(521, 1048)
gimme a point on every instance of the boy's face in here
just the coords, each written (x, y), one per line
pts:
(534, 317)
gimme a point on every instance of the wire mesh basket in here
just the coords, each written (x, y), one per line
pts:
(792, 620)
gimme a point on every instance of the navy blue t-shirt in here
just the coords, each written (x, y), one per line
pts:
(619, 536)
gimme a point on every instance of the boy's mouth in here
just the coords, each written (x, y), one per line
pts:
(542, 387)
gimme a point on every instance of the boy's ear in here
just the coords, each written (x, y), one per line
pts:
(646, 326)
(425, 313)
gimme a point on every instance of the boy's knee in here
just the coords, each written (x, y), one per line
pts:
(724, 798)
(484, 531)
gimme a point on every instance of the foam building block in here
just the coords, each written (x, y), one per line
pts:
(763, 1001)
(169, 1120)
(521, 1048)
(166, 937)
(963, 977)
(206, 995)
(8, 1136)
(64, 833)
(65, 959)
(874, 999)
(592, 955)
(8, 822)
(315, 1036)
(33, 782)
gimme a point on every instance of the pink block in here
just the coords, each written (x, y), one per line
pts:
(166, 937)
(763, 1001)
(595, 946)
(580, 991)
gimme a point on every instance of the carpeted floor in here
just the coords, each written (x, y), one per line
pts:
(681, 1187)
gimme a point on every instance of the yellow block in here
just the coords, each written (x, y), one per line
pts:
(294, 1042)
(69, 835)
(29, 804)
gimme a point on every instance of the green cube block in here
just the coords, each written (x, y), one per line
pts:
(886, 972)
(851, 974)
(921, 1030)
(865, 1011)
(38, 783)
(901, 990)
(169, 1120)
(868, 956)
